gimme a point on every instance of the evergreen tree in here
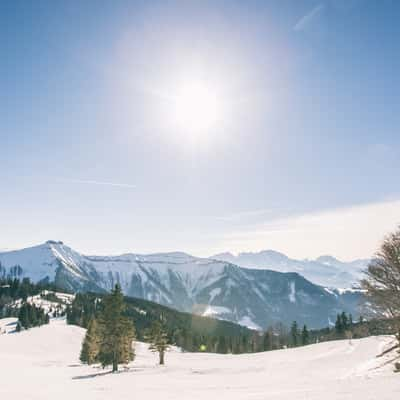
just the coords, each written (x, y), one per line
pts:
(195, 343)
(91, 343)
(29, 316)
(222, 345)
(350, 322)
(294, 334)
(117, 331)
(339, 325)
(244, 344)
(32, 312)
(345, 321)
(158, 339)
(23, 317)
(187, 342)
(267, 341)
(305, 336)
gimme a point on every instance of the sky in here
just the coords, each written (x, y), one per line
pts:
(200, 126)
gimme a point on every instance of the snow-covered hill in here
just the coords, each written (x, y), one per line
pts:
(42, 363)
(255, 298)
(325, 270)
(58, 303)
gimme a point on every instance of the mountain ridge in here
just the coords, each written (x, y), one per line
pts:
(253, 297)
(325, 270)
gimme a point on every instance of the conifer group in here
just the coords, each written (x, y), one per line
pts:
(109, 338)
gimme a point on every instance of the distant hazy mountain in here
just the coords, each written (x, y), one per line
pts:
(325, 270)
(251, 297)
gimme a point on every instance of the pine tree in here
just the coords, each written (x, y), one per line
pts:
(91, 343)
(305, 337)
(158, 340)
(117, 331)
(345, 321)
(29, 316)
(221, 345)
(339, 325)
(244, 344)
(294, 333)
(23, 316)
(33, 315)
(267, 341)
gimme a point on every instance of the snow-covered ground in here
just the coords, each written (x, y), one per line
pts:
(42, 364)
(47, 305)
(53, 308)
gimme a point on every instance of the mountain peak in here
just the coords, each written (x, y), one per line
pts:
(54, 242)
(225, 254)
(326, 270)
(273, 253)
(328, 260)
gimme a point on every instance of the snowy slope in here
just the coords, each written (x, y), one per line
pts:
(51, 261)
(325, 270)
(49, 307)
(42, 364)
(256, 298)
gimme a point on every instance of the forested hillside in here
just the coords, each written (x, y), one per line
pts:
(188, 331)
(203, 334)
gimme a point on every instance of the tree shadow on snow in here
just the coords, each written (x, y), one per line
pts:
(92, 375)
(103, 373)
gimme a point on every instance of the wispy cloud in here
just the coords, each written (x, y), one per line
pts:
(102, 183)
(349, 232)
(308, 18)
(243, 215)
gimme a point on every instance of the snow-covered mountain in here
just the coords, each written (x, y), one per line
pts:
(251, 297)
(325, 270)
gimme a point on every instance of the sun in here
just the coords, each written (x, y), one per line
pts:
(197, 107)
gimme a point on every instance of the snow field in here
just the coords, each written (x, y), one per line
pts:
(42, 363)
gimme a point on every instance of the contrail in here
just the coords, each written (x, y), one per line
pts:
(92, 182)
(304, 21)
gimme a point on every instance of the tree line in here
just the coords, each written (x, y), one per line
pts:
(30, 315)
(110, 334)
(15, 289)
(163, 327)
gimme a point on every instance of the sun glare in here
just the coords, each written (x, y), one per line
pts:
(196, 107)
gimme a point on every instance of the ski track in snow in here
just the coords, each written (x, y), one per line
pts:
(45, 359)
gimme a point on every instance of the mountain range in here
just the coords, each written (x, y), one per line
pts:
(256, 298)
(325, 270)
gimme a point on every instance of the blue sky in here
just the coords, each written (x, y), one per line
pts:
(303, 159)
